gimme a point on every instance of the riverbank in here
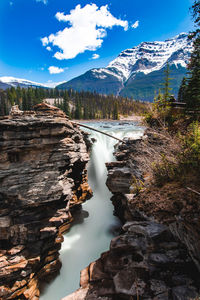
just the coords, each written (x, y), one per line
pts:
(132, 118)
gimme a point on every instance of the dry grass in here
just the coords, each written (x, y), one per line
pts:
(171, 184)
(157, 148)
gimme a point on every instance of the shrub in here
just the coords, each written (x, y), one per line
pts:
(164, 171)
(136, 186)
(184, 162)
(191, 146)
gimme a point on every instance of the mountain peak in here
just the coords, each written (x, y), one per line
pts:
(181, 35)
(151, 56)
(138, 71)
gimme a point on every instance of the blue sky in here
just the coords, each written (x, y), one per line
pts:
(56, 40)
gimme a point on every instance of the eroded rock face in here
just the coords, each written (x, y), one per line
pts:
(42, 176)
(172, 205)
(146, 262)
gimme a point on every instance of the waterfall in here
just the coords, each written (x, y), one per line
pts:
(94, 225)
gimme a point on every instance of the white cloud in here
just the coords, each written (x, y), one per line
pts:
(49, 48)
(135, 25)
(44, 1)
(86, 30)
(45, 41)
(95, 56)
(55, 70)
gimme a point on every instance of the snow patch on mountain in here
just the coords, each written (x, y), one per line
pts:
(12, 81)
(102, 73)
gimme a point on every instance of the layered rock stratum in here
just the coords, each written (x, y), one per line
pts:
(154, 257)
(43, 176)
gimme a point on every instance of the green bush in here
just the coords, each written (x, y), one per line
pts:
(164, 171)
(191, 145)
(136, 186)
(148, 117)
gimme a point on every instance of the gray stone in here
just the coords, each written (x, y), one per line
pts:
(184, 293)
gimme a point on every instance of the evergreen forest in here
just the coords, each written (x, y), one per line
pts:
(76, 105)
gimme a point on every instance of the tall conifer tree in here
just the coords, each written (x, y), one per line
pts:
(166, 85)
(192, 96)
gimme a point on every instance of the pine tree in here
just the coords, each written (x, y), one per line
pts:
(85, 113)
(193, 87)
(12, 96)
(78, 110)
(159, 101)
(4, 106)
(162, 100)
(66, 105)
(166, 85)
(182, 90)
(19, 97)
(116, 111)
(24, 101)
(30, 99)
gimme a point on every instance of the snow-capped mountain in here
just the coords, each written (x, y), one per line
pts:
(7, 82)
(138, 68)
(151, 56)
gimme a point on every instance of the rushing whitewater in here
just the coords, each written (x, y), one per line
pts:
(95, 225)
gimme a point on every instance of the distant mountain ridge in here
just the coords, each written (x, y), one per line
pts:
(138, 72)
(8, 82)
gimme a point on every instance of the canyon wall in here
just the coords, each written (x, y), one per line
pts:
(43, 176)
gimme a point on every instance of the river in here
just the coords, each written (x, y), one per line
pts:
(94, 226)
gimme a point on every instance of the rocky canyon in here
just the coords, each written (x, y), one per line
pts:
(43, 177)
